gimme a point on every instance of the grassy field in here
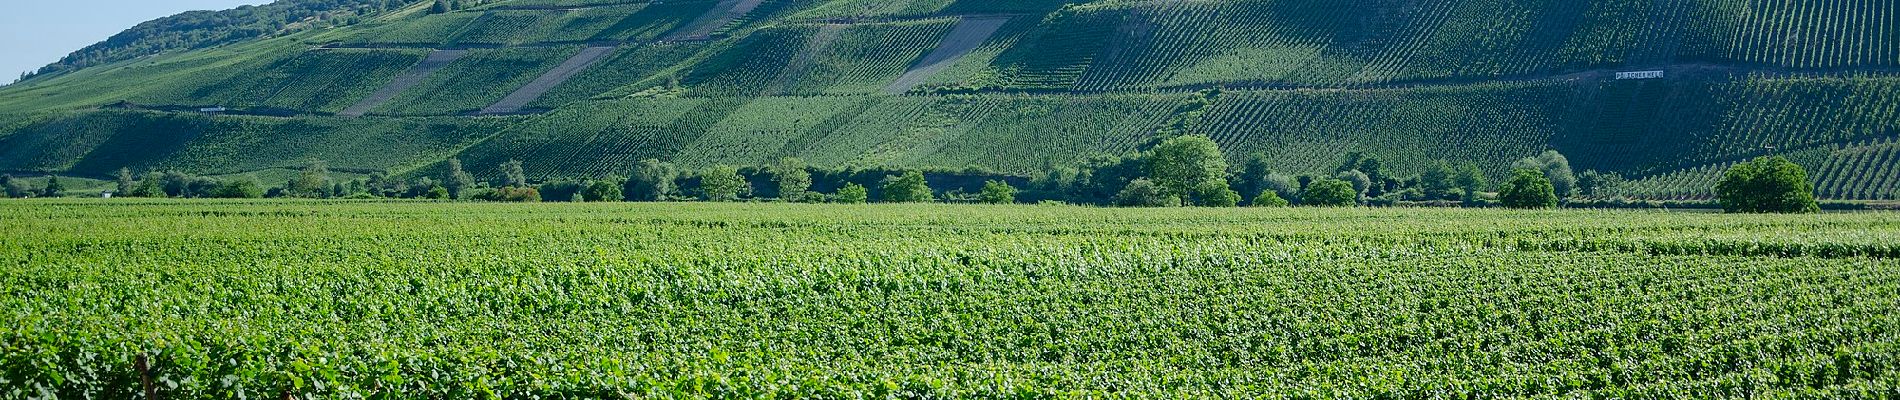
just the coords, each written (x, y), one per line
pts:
(439, 300)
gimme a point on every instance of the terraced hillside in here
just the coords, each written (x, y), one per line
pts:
(590, 87)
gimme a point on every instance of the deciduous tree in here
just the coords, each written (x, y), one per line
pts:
(794, 181)
(459, 182)
(1556, 169)
(126, 183)
(651, 180)
(853, 193)
(722, 183)
(603, 190)
(997, 192)
(1144, 193)
(1330, 193)
(1767, 185)
(53, 187)
(1528, 189)
(1182, 164)
(512, 175)
(908, 188)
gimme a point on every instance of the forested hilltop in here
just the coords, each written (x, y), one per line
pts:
(1653, 98)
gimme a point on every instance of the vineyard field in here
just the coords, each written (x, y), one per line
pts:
(476, 81)
(643, 67)
(320, 80)
(865, 58)
(1015, 87)
(98, 144)
(518, 27)
(440, 300)
(605, 138)
(1645, 130)
(424, 31)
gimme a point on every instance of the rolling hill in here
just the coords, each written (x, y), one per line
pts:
(587, 88)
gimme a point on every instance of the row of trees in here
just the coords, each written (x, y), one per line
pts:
(1190, 170)
(18, 188)
(650, 180)
(1177, 171)
(1769, 184)
(157, 184)
(444, 6)
(790, 180)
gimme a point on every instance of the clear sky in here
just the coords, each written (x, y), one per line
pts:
(34, 33)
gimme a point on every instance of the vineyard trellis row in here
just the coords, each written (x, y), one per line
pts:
(447, 300)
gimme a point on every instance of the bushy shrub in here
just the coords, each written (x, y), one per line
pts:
(1330, 193)
(240, 188)
(997, 192)
(602, 190)
(852, 193)
(1269, 199)
(908, 188)
(1144, 193)
(563, 189)
(723, 183)
(510, 194)
(1216, 193)
(1767, 185)
(651, 180)
(1529, 189)
(1555, 168)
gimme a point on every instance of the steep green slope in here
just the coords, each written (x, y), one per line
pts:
(740, 82)
(97, 144)
(202, 29)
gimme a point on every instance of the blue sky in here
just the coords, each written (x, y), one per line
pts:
(34, 33)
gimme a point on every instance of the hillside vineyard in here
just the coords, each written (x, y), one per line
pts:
(1665, 92)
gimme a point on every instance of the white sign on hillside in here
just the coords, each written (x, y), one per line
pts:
(1639, 75)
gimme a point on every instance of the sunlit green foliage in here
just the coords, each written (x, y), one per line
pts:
(1767, 185)
(1330, 193)
(1412, 82)
(476, 81)
(997, 192)
(1528, 189)
(597, 300)
(907, 188)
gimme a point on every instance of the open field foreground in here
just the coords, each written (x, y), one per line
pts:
(449, 301)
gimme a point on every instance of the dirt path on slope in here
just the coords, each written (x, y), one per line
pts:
(962, 39)
(800, 64)
(415, 75)
(514, 102)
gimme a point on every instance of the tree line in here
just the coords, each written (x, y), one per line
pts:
(1184, 170)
